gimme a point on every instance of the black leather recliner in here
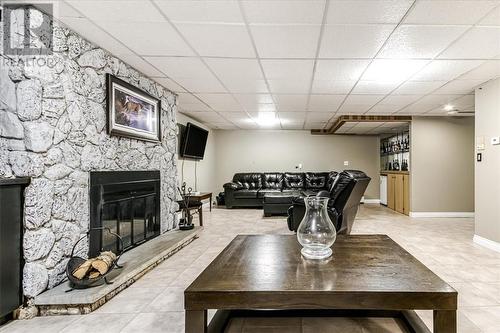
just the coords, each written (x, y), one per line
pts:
(345, 196)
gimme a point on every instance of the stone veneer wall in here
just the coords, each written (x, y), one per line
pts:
(53, 129)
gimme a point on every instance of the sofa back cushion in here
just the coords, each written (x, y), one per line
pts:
(294, 180)
(249, 181)
(272, 180)
(316, 180)
(333, 177)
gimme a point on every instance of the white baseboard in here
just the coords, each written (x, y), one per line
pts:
(487, 243)
(442, 214)
(371, 201)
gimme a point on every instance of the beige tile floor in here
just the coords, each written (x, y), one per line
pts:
(155, 302)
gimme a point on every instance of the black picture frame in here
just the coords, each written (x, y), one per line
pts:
(126, 120)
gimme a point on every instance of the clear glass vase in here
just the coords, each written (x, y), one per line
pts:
(316, 232)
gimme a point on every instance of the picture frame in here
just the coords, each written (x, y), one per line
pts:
(132, 112)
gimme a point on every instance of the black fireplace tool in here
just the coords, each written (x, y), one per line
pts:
(186, 221)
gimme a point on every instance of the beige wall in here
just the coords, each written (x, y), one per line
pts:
(487, 173)
(205, 169)
(268, 150)
(442, 164)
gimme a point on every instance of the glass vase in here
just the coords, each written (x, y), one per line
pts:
(316, 232)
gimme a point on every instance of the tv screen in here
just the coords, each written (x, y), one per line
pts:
(195, 141)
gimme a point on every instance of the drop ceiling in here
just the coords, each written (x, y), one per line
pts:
(309, 61)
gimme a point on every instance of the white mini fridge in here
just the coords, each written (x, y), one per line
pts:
(383, 190)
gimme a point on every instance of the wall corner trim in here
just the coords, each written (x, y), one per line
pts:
(371, 201)
(487, 243)
(442, 214)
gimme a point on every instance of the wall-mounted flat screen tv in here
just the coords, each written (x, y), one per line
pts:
(194, 142)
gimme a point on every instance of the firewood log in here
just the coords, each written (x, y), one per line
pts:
(94, 274)
(83, 269)
(104, 262)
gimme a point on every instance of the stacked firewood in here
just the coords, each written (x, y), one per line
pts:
(95, 267)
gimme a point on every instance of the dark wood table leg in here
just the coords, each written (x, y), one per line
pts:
(196, 321)
(200, 213)
(210, 201)
(445, 321)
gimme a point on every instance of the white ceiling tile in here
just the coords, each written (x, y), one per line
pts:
(419, 41)
(225, 40)
(437, 99)
(209, 116)
(148, 38)
(332, 87)
(492, 19)
(63, 9)
(284, 11)
(384, 109)
(202, 85)
(186, 98)
(235, 68)
(220, 11)
(374, 87)
(221, 102)
(353, 41)
(449, 12)
(477, 43)
(292, 126)
(418, 87)
(288, 86)
(140, 64)
(288, 69)
(445, 70)
(363, 99)
(260, 107)
(315, 125)
(252, 99)
(353, 109)
(325, 102)
(417, 108)
(294, 103)
(293, 116)
(286, 41)
(464, 101)
(193, 107)
(118, 10)
(181, 67)
(223, 126)
(95, 34)
(169, 84)
(319, 116)
(244, 86)
(459, 87)
(340, 70)
(234, 115)
(488, 70)
(401, 100)
(367, 11)
(395, 70)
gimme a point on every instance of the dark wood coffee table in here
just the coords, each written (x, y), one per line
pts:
(368, 272)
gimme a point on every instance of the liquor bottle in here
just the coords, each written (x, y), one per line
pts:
(390, 166)
(395, 165)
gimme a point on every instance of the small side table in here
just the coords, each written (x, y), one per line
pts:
(202, 196)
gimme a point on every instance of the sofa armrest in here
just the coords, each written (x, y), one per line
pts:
(231, 186)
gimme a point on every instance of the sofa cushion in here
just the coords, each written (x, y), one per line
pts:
(272, 180)
(262, 193)
(246, 194)
(332, 178)
(316, 180)
(248, 181)
(294, 180)
(278, 198)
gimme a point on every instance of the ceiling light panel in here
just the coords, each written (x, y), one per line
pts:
(284, 11)
(367, 11)
(419, 41)
(353, 41)
(449, 12)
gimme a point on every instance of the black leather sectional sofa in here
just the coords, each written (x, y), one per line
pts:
(277, 192)
(251, 189)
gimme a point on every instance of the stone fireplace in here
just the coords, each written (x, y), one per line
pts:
(126, 202)
(53, 130)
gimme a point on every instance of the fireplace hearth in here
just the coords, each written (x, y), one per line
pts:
(126, 202)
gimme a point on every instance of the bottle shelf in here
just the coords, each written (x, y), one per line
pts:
(395, 152)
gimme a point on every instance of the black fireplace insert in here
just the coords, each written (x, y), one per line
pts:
(126, 202)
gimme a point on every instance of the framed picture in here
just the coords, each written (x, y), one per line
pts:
(132, 113)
